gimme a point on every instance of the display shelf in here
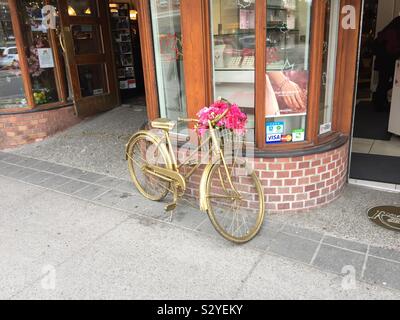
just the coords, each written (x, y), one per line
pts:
(234, 76)
(286, 116)
(122, 38)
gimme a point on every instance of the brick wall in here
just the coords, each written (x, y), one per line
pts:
(24, 128)
(297, 184)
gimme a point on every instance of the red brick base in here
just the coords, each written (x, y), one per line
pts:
(297, 184)
(24, 128)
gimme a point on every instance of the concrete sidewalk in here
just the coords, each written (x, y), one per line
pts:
(97, 145)
(97, 239)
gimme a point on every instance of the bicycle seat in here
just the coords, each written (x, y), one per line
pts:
(163, 124)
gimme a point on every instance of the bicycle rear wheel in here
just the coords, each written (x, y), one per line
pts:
(236, 213)
(146, 149)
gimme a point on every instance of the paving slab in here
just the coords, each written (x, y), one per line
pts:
(91, 192)
(38, 178)
(302, 232)
(346, 244)
(55, 182)
(335, 260)
(71, 187)
(293, 247)
(384, 253)
(275, 278)
(383, 272)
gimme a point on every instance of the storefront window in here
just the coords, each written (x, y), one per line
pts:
(12, 93)
(166, 20)
(287, 73)
(39, 52)
(233, 30)
(329, 66)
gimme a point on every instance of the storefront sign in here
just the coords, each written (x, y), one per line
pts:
(45, 58)
(386, 216)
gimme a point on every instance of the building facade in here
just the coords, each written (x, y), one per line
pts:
(289, 64)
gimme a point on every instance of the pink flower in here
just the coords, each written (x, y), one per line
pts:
(235, 120)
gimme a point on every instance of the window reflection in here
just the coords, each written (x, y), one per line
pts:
(12, 93)
(166, 19)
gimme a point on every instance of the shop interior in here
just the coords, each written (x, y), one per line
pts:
(127, 52)
(376, 142)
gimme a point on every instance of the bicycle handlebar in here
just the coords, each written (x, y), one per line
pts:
(187, 120)
(223, 115)
(216, 120)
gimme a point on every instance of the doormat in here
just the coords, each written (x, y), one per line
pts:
(387, 217)
(369, 124)
(377, 168)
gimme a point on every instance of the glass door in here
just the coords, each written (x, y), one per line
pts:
(85, 37)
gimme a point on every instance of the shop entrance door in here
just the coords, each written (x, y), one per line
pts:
(85, 36)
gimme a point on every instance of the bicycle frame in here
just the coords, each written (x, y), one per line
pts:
(178, 180)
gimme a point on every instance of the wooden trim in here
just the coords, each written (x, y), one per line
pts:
(149, 69)
(42, 107)
(316, 67)
(345, 84)
(195, 57)
(209, 62)
(23, 62)
(260, 81)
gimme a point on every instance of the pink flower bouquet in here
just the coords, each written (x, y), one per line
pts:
(235, 120)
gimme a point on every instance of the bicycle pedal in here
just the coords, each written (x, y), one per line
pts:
(170, 207)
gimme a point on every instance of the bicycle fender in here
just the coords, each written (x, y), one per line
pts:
(203, 187)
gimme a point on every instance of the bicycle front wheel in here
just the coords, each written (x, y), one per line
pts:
(146, 149)
(236, 211)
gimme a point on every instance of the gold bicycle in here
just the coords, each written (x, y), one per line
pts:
(230, 191)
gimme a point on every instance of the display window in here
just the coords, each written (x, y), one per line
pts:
(39, 52)
(31, 68)
(169, 57)
(287, 70)
(233, 39)
(12, 94)
(325, 121)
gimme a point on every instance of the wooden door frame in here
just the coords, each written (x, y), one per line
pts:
(86, 106)
(149, 67)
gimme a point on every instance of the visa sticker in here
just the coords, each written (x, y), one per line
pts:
(274, 138)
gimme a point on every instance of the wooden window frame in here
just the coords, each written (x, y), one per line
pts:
(199, 61)
(59, 71)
